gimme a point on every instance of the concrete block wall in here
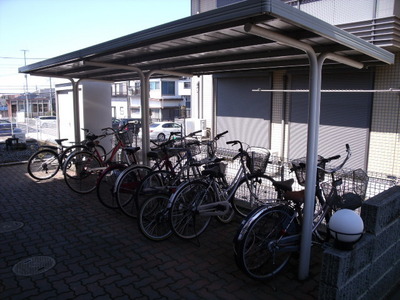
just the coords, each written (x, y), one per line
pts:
(372, 268)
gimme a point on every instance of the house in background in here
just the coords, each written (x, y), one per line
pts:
(39, 103)
(276, 117)
(168, 98)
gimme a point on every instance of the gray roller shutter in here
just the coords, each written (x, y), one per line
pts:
(245, 114)
(345, 117)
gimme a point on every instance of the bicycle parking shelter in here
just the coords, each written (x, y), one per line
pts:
(249, 35)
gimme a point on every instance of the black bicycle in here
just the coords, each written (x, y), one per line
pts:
(271, 234)
(45, 163)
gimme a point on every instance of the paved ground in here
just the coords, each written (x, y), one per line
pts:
(100, 254)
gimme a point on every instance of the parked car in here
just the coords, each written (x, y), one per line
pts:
(47, 121)
(134, 124)
(115, 123)
(161, 130)
(5, 127)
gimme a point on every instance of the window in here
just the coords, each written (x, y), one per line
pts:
(168, 88)
(154, 85)
(137, 88)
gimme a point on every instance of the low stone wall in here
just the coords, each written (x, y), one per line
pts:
(372, 268)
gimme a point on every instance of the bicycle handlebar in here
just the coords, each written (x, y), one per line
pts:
(194, 133)
(333, 170)
(219, 135)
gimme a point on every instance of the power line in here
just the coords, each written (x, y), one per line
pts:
(10, 57)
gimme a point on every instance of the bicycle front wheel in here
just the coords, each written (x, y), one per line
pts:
(186, 220)
(153, 220)
(126, 186)
(81, 171)
(257, 252)
(43, 164)
(252, 192)
(105, 185)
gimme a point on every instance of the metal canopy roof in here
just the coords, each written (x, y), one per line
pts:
(213, 42)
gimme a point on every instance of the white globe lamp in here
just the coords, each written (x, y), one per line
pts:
(346, 227)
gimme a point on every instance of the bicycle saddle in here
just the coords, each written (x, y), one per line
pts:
(132, 149)
(285, 185)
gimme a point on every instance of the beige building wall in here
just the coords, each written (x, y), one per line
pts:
(384, 155)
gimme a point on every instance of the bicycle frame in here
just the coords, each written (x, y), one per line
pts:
(291, 243)
(221, 189)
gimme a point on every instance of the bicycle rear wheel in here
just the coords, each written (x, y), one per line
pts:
(156, 182)
(253, 192)
(186, 221)
(105, 185)
(70, 150)
(81, 171)
(125, 188)
(153, 219)
(43, 164)
(256, 249)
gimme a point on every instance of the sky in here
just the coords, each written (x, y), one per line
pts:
(49, 28)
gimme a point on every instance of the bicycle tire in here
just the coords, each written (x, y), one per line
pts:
(156, 182)
(255, 240)
(105, 185)
(153, 218)
(101, 151)
(69, 150)
(125, 188)
(260, 191)
(81, 171)
(185, 220)
(43, 164)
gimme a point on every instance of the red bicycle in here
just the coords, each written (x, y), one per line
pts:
(82, 169)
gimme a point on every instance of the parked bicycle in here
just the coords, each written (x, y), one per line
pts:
(108, 177)
(82, 169)
(153, 219)
(194, 203)
(48, 160)
(171, 157)
(270, 235)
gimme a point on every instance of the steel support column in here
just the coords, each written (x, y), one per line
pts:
(312, 134)
(75, 102)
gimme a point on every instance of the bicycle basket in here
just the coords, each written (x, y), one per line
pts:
(125, 137)
(348, 190)
(194, 148)
(299, 167)
(258, 159)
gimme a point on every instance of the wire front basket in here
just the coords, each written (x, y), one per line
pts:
(185, 145)
(299, 167)
(194, 148)
(348, 190)
(125, 137)
(258, 159)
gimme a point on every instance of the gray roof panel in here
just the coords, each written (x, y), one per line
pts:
(212, 42)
